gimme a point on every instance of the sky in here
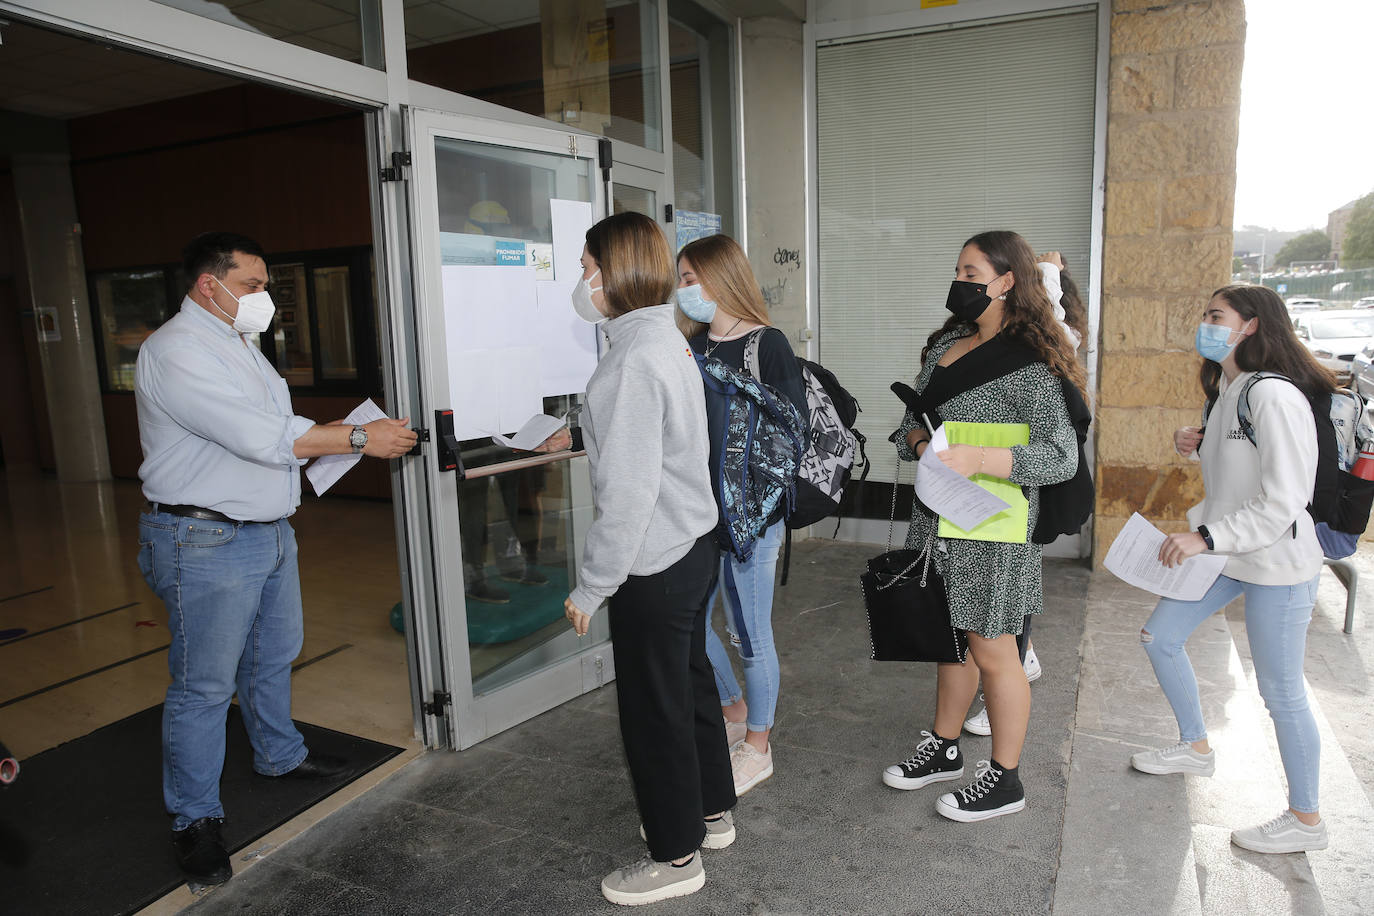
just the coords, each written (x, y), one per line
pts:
(1306, 130)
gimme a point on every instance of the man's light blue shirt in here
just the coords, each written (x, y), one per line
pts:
(215, 421)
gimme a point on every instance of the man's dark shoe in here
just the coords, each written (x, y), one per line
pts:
(481, 591)
(317, 766)
(201, 853)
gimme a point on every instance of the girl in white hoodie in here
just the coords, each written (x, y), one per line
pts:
(1255, 513)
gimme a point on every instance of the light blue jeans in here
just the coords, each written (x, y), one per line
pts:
(233, 597)
(748, 592)
(1276, 619)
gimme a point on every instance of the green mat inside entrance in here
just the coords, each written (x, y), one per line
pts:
(530, 607)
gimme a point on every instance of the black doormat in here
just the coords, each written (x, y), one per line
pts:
(83, 829)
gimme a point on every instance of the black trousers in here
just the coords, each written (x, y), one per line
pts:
(670, 716)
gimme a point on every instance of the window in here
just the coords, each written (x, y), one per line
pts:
(699, 79)
(339, 28)
(322, 299)
(591, 64)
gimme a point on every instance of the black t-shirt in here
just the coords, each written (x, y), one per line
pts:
(778, 365)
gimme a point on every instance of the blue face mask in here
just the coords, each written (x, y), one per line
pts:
(1212, 342)
(694, 305)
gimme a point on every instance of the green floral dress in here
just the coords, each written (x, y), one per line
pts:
(992, 586)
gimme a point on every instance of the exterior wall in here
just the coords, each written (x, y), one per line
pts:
(775, 168)
(1336, 223)
(1173, 116)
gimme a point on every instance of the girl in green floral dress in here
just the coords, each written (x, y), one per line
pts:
(997, 296)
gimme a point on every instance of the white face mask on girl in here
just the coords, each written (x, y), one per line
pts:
(255, 310)
(582, 300)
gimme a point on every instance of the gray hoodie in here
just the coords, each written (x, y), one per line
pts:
(644, 428)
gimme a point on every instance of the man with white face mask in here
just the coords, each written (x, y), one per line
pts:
(222, 452)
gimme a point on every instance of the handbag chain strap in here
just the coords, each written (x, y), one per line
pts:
(891, 529)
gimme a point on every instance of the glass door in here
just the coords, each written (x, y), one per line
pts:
(499, 215)
(640, 190)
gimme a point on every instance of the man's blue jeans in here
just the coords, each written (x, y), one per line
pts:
(1276, 619)
(233, 597)
(748, 591)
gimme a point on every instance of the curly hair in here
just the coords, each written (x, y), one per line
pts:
(1027, 314)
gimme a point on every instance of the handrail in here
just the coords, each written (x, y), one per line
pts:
(533, 461)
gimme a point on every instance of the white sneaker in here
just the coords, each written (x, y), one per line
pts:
(1178, 758)
(647, 881)
(750, 766)
(1284, 833)
(719, 832)
(979, 724)
(1032, 666)
(735, 732)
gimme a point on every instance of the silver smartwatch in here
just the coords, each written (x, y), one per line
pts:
(358, 439)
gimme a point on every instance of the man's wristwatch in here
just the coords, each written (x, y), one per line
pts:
(358, 439)
(1206, 537)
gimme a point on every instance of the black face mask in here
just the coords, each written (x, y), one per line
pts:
(967, 300)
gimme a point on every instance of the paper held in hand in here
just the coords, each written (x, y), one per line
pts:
(1134, 559)
(950, 494)
(327, 469)
(538, 428)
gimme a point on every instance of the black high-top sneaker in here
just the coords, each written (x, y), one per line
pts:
(995, 791)
(935, 759)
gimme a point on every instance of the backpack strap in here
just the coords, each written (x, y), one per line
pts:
(1243, 402)
(751, 353)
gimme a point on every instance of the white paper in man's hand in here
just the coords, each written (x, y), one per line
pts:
(327, 469)
(1134, 559)
(950, 494)
(536, 429)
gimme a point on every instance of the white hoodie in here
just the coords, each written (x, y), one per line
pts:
(1257, 495)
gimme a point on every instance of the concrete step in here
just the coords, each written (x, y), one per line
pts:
(1136, 843)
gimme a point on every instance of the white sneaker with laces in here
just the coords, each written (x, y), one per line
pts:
(647, 881)
(1032, 666)
(750, 766)
(979, 724)
(735, 732)
(1284, 833)
(1177, 758)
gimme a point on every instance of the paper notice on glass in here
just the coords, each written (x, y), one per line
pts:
(327, 469)
(538, 428)
(1134, 559)
(950, 494)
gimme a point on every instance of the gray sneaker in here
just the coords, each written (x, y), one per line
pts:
(647, 881)
(1284, 833)
(719, 832)
(1178, 758)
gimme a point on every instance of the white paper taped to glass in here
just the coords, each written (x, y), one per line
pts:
(536, 429)
(1134, 559)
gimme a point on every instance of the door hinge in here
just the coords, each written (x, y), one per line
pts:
(399, 159)
(436, 706)
(604, 157)
(421, 435)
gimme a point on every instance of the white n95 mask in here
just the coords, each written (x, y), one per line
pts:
(255, 310)
(582, 301)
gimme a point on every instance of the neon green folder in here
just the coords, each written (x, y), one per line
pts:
(1011, 525)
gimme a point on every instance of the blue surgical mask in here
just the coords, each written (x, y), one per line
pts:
(1213, 341)
(694, 305)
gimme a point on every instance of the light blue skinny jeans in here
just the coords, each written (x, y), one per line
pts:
(233, 597)
(1276, 619)
(748, 592)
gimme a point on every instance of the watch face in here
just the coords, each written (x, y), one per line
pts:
(357, 438)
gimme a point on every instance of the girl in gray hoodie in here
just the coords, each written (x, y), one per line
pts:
(650, 557)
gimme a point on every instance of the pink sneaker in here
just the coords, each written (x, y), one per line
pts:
(750, 766)
(735, 732)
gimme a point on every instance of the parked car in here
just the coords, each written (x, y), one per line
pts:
(1334, 337)
(1366, 303)
(1362, 368)
(1303, 304)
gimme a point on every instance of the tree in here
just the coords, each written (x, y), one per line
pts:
(1358, 250)
(1310, 246)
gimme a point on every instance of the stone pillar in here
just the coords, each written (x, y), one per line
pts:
(1174, 108)
(774, 167)
(57, 287)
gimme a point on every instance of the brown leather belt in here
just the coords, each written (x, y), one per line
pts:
(209, 515)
